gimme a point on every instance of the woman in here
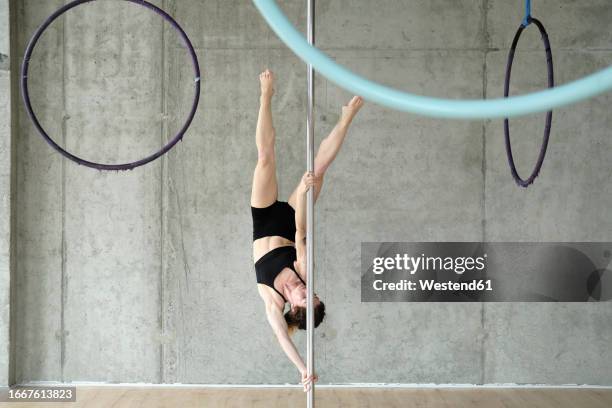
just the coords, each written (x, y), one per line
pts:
(279, 228)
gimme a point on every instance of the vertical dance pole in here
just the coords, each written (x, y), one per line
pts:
(310, 398)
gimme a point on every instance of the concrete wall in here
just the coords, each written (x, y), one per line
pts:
(146, 276)
(5, 191)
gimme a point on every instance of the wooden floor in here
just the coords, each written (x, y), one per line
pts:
(183, 397)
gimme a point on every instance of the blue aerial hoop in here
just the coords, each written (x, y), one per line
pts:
(528, 20)
(540, 101)
(25, 92)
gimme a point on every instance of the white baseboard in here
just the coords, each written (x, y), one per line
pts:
(339, 385)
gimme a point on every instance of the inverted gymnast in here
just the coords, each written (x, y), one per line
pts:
(279, 227)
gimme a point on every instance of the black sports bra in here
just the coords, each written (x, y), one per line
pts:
(269, 266)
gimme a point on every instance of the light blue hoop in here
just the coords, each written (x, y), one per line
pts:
(540, 101)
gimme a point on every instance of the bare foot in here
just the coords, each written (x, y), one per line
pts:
(266, 80)
(350, 110)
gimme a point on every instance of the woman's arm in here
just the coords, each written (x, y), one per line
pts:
(280, 329)
(308, 180)
(300, 226)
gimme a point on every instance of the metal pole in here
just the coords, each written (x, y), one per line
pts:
(310, 367)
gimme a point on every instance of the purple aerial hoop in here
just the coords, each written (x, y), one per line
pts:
(100, 166)
(551, 83)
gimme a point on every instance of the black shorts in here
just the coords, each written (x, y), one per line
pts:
(276, 220)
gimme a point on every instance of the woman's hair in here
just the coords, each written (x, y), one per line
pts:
(296, 318)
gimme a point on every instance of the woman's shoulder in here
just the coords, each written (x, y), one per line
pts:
(270, 297)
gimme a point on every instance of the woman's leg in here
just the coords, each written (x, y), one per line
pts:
(330, 146)
(265, 190)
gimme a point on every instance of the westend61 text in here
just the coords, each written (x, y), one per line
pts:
(429, 285)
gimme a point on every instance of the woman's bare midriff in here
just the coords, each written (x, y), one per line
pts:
(264, 245)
